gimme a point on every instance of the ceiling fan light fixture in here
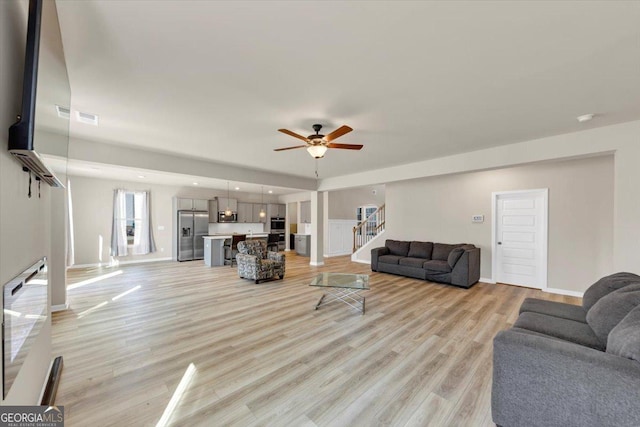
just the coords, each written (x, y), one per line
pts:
(317, 151)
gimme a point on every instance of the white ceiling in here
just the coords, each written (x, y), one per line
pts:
(127, 174)
(416, 80)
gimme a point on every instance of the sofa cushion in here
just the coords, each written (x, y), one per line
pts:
(454, 256)
(412, 262)
(624, 339)
(397, 247)
(611, 309)
(568, 330)
(436, 265)
(605, 286)
(553, 308)
(441, 251)
(389, 259)
(421, 250)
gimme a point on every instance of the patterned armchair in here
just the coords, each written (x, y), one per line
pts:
(256, 263)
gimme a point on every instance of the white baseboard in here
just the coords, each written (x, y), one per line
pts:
(564, 292)
(106, 264)
(361, 261)
(485, 280)
(316, 264)
(337, 254)
(59, 307)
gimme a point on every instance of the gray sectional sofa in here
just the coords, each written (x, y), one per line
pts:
(438, 262)
(567, 365)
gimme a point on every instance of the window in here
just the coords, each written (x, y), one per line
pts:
(132, 217)
(131, 223)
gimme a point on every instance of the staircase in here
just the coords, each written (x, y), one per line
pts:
(368, 229)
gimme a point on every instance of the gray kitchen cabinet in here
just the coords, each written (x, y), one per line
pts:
(183, 204)
(256, 213)
(245, 212)
(200, 205)
(276, 210)
(303, 244)
(213, 211)
(224, 203)
(305, 212)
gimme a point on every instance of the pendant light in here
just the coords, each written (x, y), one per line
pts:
(262, 212)
(227, 211)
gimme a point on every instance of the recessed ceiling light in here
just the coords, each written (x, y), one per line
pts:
(237, 188)
(141, 176)
(195, 183)
(270, 191)
(585, 117)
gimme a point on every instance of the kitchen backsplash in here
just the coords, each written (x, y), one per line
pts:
(245, 228)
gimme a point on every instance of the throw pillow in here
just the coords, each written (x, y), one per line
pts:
(624, 339)
(421, 250)
(611, 309)
(397, 247)
(441, 251)
(605, 286)
(454, 256)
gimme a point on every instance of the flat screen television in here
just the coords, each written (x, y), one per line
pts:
(44, 118)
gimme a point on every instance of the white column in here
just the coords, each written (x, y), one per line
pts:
(58, 251)
(325, 222)
(317, 228)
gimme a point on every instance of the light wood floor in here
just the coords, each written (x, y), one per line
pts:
(421, 355)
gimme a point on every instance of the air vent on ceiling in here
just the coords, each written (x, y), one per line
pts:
(63, 113)
(87, 118)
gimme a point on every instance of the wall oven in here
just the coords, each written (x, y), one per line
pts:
(277, 224)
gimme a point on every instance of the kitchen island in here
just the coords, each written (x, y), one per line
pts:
(214, 247)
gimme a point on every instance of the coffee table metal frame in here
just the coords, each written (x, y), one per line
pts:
(342, 287)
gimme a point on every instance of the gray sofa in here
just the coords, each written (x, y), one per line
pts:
(438, 262)
(567, 365)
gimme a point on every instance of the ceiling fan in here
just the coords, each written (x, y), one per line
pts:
(318, 144)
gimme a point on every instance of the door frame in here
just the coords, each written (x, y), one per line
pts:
(545, 232)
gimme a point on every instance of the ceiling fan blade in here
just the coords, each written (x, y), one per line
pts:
(289, 148)
(293, 134)
(346, 146)
(338, 133)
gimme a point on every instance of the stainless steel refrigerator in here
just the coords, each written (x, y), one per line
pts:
(192, 227)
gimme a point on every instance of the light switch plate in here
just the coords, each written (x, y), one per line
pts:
(161, 228)
(477, 218)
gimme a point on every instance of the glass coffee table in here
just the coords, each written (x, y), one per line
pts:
(342, 287)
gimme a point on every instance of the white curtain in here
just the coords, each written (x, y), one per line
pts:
(143, 239)
(70, 244)
(119, 229)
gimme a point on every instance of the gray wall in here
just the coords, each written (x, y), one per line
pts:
(24, 222)
(93, 210)
(343, 203)
(580, 214)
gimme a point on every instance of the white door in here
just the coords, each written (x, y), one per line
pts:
(520, 238)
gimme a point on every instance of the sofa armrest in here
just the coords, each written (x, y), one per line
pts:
(275, 256)
(545, 381)
(246, 259)
(375, 253)
(466, 271)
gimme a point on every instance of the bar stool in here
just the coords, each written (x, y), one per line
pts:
(231, 249)
(272, 241)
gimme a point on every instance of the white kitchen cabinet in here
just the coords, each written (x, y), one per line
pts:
(184, 204)
(305, 212)
(257, 207)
